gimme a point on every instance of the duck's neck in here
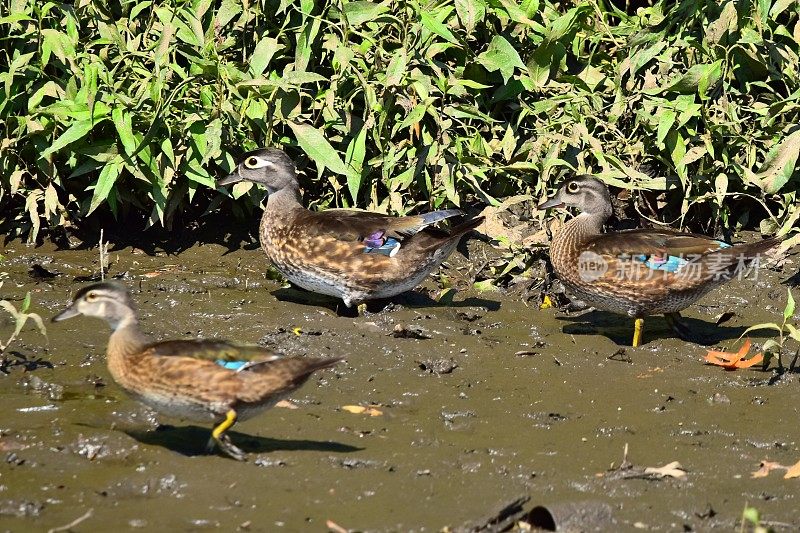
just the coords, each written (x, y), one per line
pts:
(284, 199)
(282, 208)
(570, 239)
(126, 341)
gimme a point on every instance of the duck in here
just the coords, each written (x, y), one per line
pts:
(639, 272)
(209, 381)
(352, 255)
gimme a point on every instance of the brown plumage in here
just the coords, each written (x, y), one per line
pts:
(206, 381)
(640, 272)
(353, 255)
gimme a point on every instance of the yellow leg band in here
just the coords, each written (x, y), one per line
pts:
(225, 425)
(362, 309)
(638, 326)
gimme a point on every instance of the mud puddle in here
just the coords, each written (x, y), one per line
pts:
(480, 403)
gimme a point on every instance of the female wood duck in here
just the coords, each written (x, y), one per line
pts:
(353, 255)
(204, 381)
(638, 272)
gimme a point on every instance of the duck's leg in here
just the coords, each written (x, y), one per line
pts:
(677, 324)
(638, 327)
(362, 309)
(220, 438)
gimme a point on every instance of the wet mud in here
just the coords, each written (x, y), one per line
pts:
(477, 404)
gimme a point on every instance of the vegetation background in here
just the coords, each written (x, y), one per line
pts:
(131, 109)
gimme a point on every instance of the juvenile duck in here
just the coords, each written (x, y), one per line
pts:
(638, 272)
(204, 381)
(353, 255)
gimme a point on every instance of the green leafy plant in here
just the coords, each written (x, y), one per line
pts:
(21, 318)
(751, 521)
(131, 109)
(786, 330)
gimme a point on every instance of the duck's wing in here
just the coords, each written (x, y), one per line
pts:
(653, 242)
(681, 259)
(372, 232)
(223, 353)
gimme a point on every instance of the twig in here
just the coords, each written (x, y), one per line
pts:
(72, 524)
(102, 258)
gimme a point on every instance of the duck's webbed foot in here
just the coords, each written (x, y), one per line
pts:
(219, 438)
(680, 328)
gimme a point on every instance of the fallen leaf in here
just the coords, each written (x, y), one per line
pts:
(765, 468)
(333, 526)
(733, 360)
(287, 404)
(793, 471)
(672, 469)
(547, 303)
(360, 409)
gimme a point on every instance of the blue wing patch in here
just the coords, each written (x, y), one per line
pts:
(231, 365)
(390, 248)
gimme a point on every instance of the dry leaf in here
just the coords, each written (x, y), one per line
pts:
(765, 468)
(672, 469)
(333, 526)
(287, 404)
(793, 471)
(360, 409)
(734, 360)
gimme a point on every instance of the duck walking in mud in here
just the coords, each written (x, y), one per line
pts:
(352, 255)
(638, 272)
(205, 381)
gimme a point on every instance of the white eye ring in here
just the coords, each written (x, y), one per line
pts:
(253, 162)
(572, 187)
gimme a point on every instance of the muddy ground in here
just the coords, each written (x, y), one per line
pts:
(502, 401)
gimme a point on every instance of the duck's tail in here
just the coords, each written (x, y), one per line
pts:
(728, 262)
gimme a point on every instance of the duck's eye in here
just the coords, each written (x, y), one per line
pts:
(251, 162)
(572, 187)
(91, 297)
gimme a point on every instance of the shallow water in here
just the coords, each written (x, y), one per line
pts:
(468, 424)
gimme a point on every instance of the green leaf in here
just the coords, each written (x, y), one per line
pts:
(788, 311)
(779, 166)
(263, 54)
(565, 23)
(122, 122)
(470, 12)
(665, 122)
(361, 12)
(317, 147)
(433, 25)
(396, 70)
(105, 182)
(765, 325)
(501, 56)
(75, 132)
(354, 158)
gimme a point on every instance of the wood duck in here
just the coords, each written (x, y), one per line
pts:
(204, 381)
(638, 272)
(353, 255)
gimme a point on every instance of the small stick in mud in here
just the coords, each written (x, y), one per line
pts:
(85, 516)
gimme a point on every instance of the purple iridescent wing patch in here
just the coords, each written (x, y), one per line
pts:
(375, 240)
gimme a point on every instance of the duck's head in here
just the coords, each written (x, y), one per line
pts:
(586, 193)
(269, 166)
(108, 300)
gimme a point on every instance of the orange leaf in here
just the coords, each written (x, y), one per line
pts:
(793, 471)
(733, 360)
(765, 468)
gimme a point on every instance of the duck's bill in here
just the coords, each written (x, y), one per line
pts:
(231, 178)
(551, 203)
(69, 312)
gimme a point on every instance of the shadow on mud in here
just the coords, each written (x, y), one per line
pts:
(191, 440)
(410, 300)
(619, 328)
